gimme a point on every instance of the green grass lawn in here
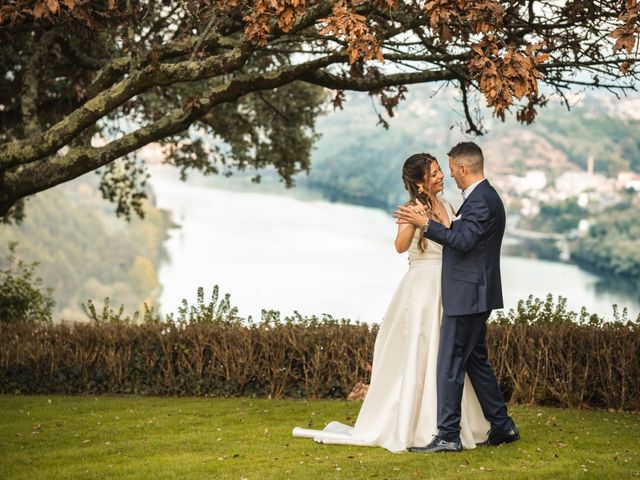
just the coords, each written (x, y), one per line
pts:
(56, 437)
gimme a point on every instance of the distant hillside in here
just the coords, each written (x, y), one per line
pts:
(593, 128)
(85, 252)
(356, 161)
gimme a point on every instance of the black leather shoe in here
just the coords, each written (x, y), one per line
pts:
(439, 445)
(498, 437)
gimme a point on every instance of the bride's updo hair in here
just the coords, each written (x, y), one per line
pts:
(413, 172)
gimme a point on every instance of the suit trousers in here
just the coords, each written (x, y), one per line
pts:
(463, 350)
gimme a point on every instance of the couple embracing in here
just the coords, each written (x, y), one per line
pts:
(432, 388)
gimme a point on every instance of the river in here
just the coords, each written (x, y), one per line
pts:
(277, 251)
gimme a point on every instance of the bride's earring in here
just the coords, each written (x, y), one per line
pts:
(421, 189)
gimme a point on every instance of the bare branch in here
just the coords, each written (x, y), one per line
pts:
(472, 127)
(365, 84)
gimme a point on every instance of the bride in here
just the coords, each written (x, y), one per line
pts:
(399, 410)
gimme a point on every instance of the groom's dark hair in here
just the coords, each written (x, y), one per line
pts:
(468, 153)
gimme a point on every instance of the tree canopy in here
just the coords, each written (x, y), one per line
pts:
(228, 85)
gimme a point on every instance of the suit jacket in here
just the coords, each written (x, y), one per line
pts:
(471, 254)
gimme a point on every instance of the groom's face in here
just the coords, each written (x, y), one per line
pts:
(456, 173)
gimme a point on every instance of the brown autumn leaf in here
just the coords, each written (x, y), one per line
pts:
(445, 33)
(53, 6)
(285, 19)
(519, 87)
(352, 27)
(457, 18)
(626, 41)
(40, 10)
(338, 100)
(627, 35)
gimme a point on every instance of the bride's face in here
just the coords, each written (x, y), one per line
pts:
(434, 179)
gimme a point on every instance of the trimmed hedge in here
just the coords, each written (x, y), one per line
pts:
(308, 358)
(541, 355)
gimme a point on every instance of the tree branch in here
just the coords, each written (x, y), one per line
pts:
(365, 84)
(473, 128)
(112, 71)
(60, 134)
(34, 177)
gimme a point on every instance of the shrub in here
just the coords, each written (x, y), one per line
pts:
(544, 354)
(21, 297)
(541, 353)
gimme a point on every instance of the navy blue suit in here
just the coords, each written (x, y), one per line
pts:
(471, 288)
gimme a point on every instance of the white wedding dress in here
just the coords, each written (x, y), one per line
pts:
(400, 408)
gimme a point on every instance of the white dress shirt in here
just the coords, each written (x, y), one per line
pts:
(465, 194)
(467, 191)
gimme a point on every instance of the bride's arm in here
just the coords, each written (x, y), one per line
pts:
(406, 231)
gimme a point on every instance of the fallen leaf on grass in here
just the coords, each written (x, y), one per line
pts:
(556, 443)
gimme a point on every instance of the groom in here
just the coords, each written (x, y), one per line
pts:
(471, 288)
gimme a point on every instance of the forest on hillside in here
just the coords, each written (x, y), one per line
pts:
(85, 252)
